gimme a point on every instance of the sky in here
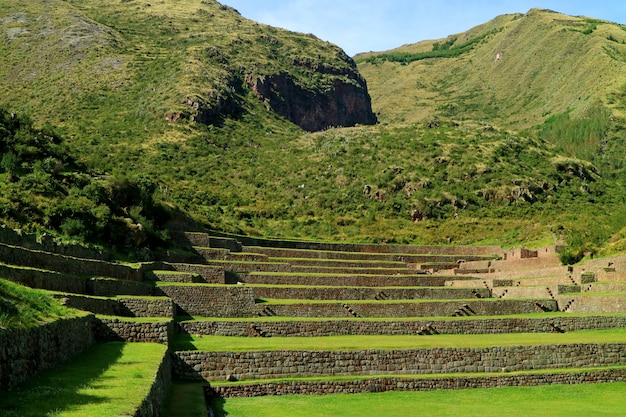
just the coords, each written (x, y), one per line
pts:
(379, 25)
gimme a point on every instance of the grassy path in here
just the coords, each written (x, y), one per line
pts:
(229, 343)
(107, 380)
(552, 400)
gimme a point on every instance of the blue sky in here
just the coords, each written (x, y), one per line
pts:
(377, 25)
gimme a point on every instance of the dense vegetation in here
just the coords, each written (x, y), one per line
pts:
(43, 188)
(447, 49)
(463, 154)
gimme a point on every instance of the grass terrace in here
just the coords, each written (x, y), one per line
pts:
(240, 344)
(110, 379)
(582, 400)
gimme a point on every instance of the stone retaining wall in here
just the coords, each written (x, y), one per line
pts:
(45, 280)
(489, 307)
(152, 405)
(397, 327)
(125, 307)
(25, 352)
(411, 384)
(107, 287)
(116, 330)
(196, 365)
(418, 280)
(70, 265)
(208, 301)
(248, 241)
(212, 274)
(355, 293)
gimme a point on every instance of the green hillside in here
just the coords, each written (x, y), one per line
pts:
(209, 109)
(516, 71)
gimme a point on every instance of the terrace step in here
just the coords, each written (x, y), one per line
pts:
(283, 363)
(338, 263)
(276, 326)
(120, 306)
(348, 270)
(241, 266)
(212, 274)
(366, 293)
(175, 276)
(350, 280)
(369, 384)
(488, 307)
(416, 258)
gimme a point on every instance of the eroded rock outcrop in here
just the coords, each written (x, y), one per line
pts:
(344, 104)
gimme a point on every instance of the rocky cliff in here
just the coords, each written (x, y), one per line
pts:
(345, 102)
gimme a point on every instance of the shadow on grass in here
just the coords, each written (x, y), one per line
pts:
(217, 404)
(57, 390)
(182, 341)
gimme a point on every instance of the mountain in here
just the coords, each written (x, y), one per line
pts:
(516, 71)
(508, 133)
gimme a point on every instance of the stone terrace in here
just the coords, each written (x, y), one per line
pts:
(245, 287)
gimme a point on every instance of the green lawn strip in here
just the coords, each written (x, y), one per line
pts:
(580, 400)
(342, 274)
(333, 275)
(185, 399)
(361, 342)
(109, 379)
(546, 315)
(456, 375)
(408, 287)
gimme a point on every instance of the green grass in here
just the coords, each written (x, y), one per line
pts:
(110, 379)
(284, 301)
(546, 315)
(240, 344)
(556, 401)
(23, 307)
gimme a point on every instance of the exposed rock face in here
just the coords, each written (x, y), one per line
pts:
(345, 102)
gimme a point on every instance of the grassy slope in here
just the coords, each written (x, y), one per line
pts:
(123, 67)
(550, 63)
(22, 307)
(109, 379)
